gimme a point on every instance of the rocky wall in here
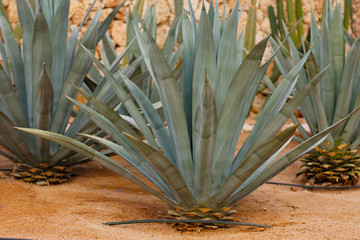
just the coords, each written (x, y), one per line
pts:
(165, 15)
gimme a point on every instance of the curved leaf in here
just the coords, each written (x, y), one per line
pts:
(204, 137)
(98, 157)
(43, 112)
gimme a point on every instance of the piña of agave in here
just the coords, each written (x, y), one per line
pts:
(337, 94)
(43, 70)
(191, 157)
(335, 165)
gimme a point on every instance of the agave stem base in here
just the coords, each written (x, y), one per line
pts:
(336, 165)
(223, 214)
(43, 175)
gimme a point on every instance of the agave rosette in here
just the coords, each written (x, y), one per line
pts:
(43, 71)
(337, 94)
(190, 155)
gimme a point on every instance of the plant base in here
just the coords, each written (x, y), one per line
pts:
(223, 214)
(42, 175)
(337, 165)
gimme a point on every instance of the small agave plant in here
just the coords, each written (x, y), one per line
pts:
(43, 71)
(337, 94)
(191, 154)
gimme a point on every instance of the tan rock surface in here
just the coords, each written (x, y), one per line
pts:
(165, 13)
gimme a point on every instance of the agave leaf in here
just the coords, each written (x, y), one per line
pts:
(211, 12)
(43, 112)
(111, 129)
(285, 113)
(285, 63)
(63, 153)
(188, 40)
(100, 120)
(7, 144)
(144, 47)
(283, 60)
(126, 101)
(161, 133)
(5, 62)
(223, 19)
(328, 83)
(11, 101)
(193, 21)
(312, 71)
(171, 38)
(3, 11)
(109, 113)
(167, 170)
(229, 118)
(253, 161)
(240, 49)
(271, 108)
(347, 82)
(314, 36)
(150, 19)
(92, 154)
(109, 50)
(17, 63)
(356, 87)
(115, 64)
(9, 156)
(350, 128)
(283, 162)
(105, 94)
(349, 39)
(92, 27)
(27, 19)
(176, 60)
(227, 58)
(59, 45)
(204, 135)
(175, 115)
(205, 59)
(42, 53)
(71, 48)
(272, 20)
(295, 54)
(139, 164)
(104, 26)
(79, 67)
(139, 7)
(337, 46)
(130, 34)
(94, 76)
(16, 140)
(48, 12)
(216, 28)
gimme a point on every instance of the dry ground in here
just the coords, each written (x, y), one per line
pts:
(76, 210)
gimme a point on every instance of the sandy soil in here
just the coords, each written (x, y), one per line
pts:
(76, 210)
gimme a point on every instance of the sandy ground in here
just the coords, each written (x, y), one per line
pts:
(76, 210)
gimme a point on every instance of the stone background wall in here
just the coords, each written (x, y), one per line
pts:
(165, 14)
